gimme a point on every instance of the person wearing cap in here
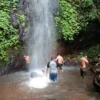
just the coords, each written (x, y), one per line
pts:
(83, 65)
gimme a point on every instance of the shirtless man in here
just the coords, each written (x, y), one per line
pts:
(27, 60)
(60, 61)
(83, 65)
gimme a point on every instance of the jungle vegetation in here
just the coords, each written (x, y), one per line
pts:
(77, 22)
(11, 22)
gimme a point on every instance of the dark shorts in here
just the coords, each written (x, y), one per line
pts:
(59, 65)
(83, 71)
(26, 66)
(53, 77)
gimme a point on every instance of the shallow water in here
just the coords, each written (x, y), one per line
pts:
(70, 86)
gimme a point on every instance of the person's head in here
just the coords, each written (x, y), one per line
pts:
(53, 57)
(85, 55)
(99, 57)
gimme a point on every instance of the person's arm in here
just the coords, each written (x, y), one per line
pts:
(47, 71)
(86, 60)
(97, 64)
(62, 61)
(56, 58)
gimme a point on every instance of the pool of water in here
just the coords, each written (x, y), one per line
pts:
(70, 86)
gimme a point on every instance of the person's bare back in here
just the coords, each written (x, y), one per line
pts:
(26, 58)
(83, 66)
(60, 59)
(83, 62)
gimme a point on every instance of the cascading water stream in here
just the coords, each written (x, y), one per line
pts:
(40, 31)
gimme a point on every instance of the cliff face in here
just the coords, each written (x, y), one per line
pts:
(62, 49)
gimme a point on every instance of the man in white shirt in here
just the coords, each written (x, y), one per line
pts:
(52, 65)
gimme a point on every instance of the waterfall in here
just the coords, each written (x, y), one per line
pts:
(40, 34)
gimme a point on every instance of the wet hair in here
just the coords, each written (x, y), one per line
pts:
(98, 55)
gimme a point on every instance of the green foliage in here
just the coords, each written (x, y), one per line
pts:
(66, 20)
(74, 16)
(4, 5)
(8, 34)
(94, 51)
(87, 3)
(21, 18)
(90, 9)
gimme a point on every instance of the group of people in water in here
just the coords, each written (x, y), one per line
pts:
(54, 66)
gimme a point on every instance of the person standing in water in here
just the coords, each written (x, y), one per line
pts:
(52, 65)
(83, 65)
(27, 61)
(60, 61)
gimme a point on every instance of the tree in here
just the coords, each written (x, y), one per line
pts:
(67, 20)
(74, 16)
(9, 38)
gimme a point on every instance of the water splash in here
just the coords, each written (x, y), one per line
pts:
(38, 80)
(40, 34)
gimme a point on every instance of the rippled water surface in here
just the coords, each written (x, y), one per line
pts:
(70, 86)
